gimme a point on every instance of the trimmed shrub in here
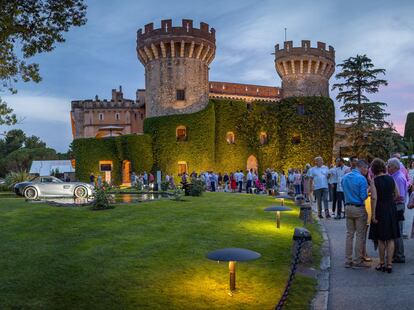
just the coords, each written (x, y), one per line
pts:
(196, 188)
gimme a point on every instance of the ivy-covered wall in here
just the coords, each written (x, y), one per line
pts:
(135, 148)
(197, 150)
(310, 119)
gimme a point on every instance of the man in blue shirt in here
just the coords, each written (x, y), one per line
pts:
(355, 187)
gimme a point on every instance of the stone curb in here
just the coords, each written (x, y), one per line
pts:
(320, 301)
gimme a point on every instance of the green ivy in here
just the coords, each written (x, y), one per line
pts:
(135, 148)
(206, 147)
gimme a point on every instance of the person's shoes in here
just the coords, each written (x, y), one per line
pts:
(361, 265)
(320, 216)
(348, 265)
(367, 259)
(389, 268)
(405, 236)
(380, 267)
(398, 261)
(337, 217)
(328, 216)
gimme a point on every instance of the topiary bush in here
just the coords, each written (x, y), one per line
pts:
(197, 188)
(409, 126)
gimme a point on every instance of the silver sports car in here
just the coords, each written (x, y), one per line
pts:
(49, 186)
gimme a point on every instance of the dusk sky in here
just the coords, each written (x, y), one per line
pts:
(101, 55)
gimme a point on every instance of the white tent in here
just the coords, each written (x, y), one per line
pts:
(45, 167)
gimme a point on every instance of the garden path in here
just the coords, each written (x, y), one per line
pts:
(367, 288)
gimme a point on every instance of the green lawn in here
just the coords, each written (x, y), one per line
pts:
(146, 256)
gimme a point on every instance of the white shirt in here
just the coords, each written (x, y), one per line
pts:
(250, 176)
(320, 177)
(332, 176)
(340, 172)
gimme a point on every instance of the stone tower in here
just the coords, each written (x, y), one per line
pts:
(176, 61)
(305, 70)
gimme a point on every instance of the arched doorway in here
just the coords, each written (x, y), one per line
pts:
(126, 172)
(252, 163)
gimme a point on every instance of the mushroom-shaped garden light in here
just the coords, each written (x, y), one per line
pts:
(278, 209)
(233, 255)
(283, 196)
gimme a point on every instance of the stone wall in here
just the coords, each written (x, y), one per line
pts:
(167, 75)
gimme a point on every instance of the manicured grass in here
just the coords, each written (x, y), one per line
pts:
(147, 256)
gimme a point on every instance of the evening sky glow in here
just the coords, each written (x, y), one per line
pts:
(101, 55)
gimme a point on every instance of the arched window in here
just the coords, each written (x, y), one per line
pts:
(230, 137)
(181, 133)
(182, 167)
(117, 116)
(101, 116)
(263, 138)
(296, 139)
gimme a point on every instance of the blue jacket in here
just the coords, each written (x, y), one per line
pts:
(355, 188)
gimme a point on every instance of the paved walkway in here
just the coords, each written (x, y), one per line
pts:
(367, 288)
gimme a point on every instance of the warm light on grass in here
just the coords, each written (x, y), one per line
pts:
(148, 255)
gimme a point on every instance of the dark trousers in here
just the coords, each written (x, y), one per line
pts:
(340, 199)
(240, 186)
(213, 186)
(399, 242)
(248, 185)
(321, 196)
(297, 189)
(334, 196)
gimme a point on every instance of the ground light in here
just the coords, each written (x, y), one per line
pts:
(282, 197)
(233, 255)
(278, 209)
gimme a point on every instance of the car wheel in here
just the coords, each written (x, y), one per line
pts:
(31, 193)
(81, 192)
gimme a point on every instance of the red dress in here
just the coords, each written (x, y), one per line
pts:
(233, 184)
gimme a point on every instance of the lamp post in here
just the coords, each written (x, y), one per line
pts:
(278, 209)
(233, 255)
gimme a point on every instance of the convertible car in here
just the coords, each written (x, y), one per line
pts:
(49, 186)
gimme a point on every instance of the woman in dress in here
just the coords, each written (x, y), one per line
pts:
(384, 225)
(233, 184)
(282, 182)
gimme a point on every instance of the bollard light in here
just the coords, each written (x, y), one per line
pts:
(278, 209)
(282, 197)
(233, 255)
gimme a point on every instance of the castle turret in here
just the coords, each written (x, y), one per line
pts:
(176, 61)
(305, 70)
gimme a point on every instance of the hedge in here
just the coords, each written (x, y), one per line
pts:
(135, 148)
(409, 126)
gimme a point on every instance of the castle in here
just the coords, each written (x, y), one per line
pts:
(182, 121)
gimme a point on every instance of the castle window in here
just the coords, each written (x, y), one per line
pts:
(101, 116)
(181, 133)
(182, 167)
(142, 116)
(117, 116)
(296, 139)
(263, 138)
(180, 94)
(300, 109)
(230, 137)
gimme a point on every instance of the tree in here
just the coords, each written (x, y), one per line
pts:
(359, 78)
(33, 142)
(409, 126)
(14, 140)
(27, 28)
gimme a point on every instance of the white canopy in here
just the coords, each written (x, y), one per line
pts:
(45, 167)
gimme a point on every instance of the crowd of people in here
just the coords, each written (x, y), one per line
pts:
(376, 199)
(379, 205)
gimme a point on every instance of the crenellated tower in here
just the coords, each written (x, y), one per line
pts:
(176, 61)
(305, 70)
